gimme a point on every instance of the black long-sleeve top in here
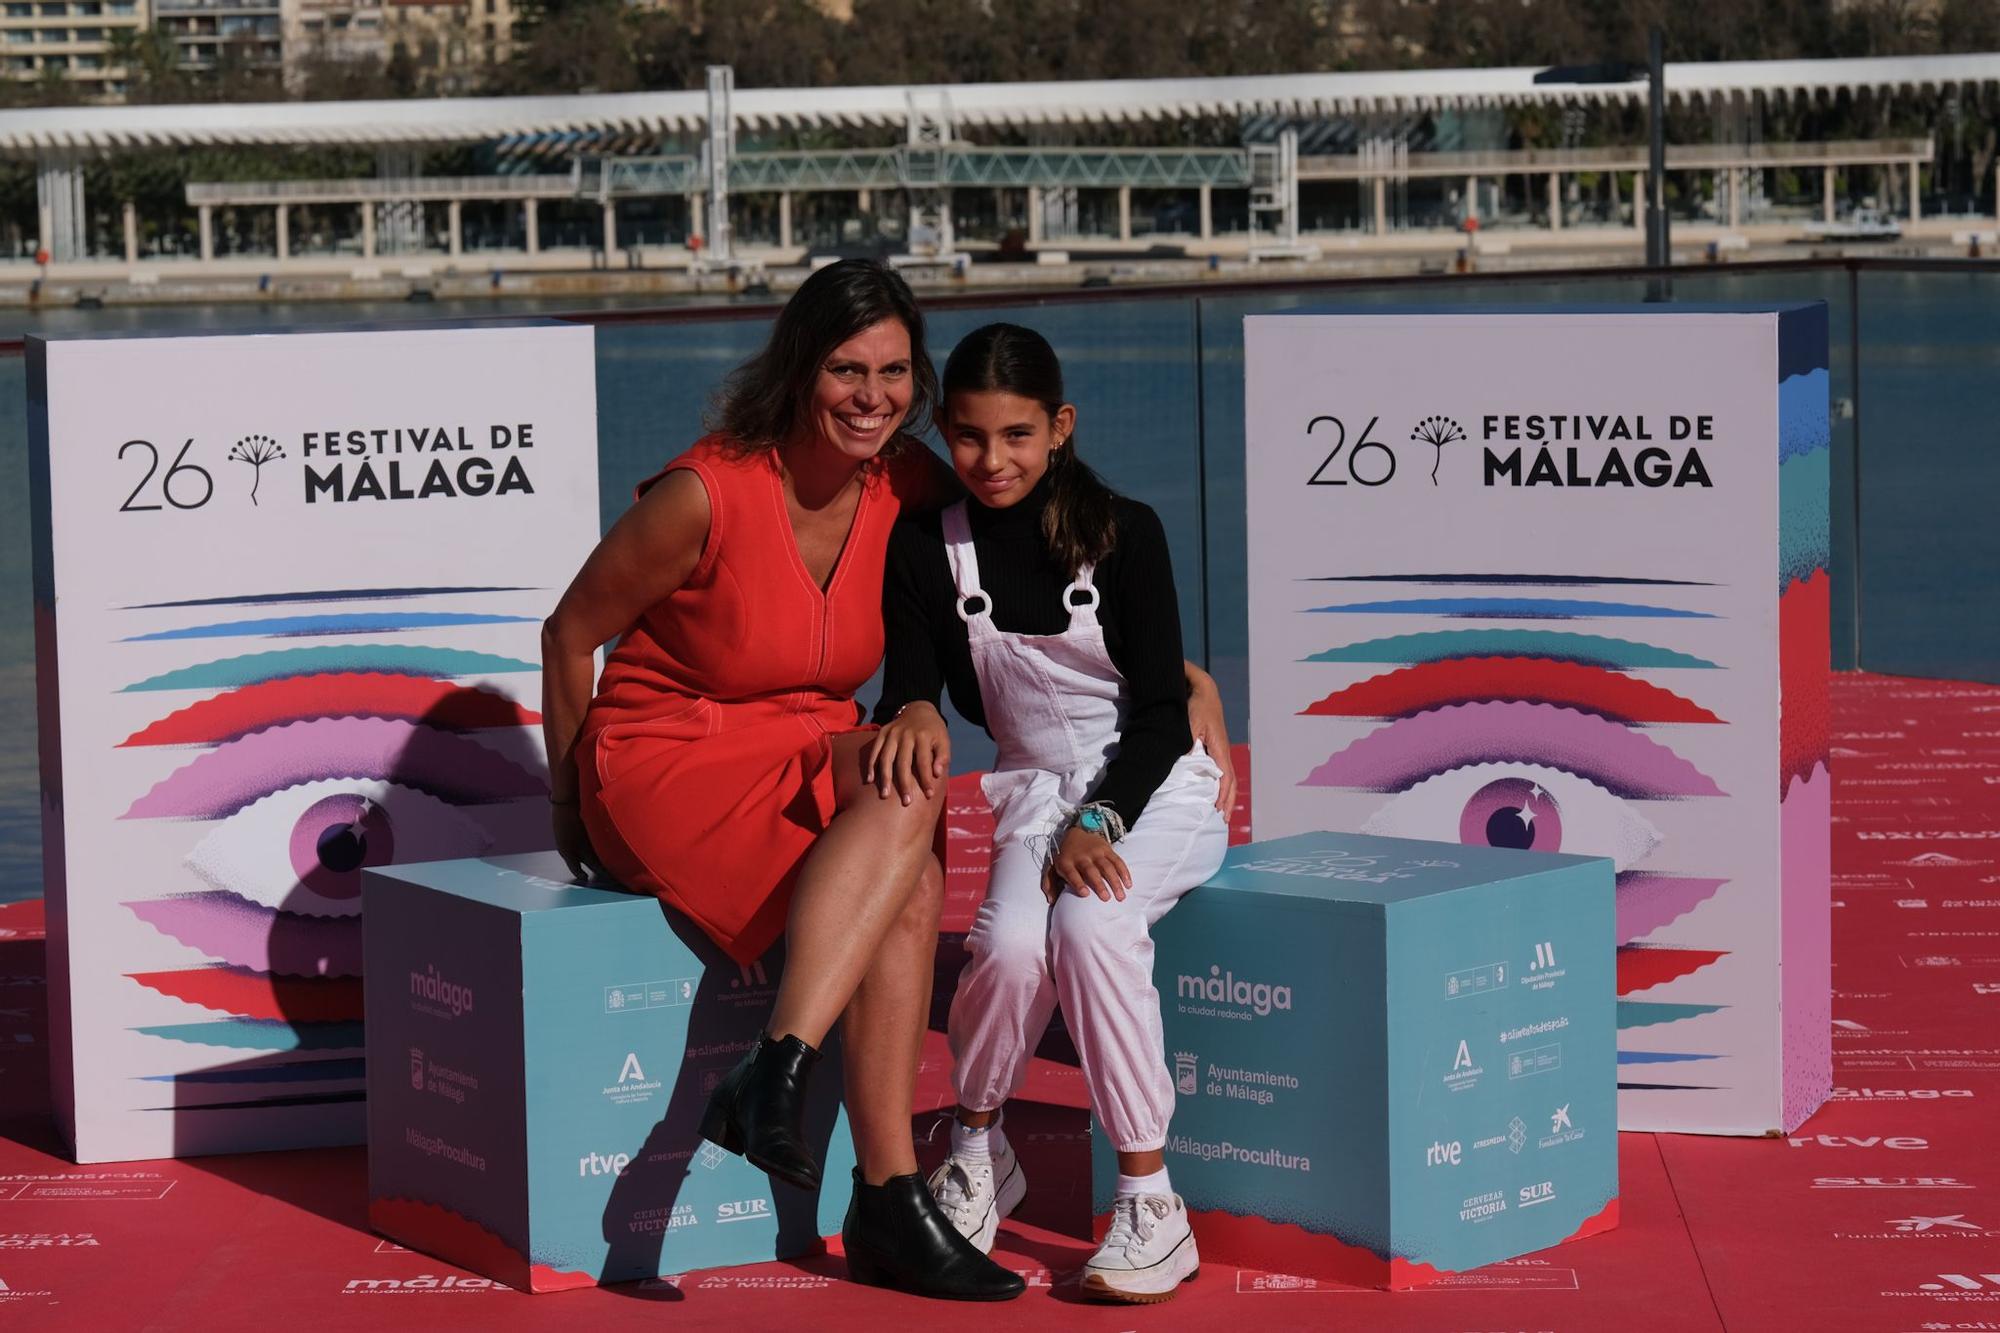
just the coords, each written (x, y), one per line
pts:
(927, 646)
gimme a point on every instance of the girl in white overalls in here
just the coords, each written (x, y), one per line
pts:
(1105, 811)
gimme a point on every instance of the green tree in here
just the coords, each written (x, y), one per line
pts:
(772, 43)
(981, 41)
(153, 71)
(325, 77)
(403, 75)
(53, 87)
(583, 46)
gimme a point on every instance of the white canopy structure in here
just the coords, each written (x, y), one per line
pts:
(938, 127)
(415, 123)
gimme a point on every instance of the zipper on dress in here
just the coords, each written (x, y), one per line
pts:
(825, 629)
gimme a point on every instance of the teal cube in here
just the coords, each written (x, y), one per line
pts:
(1393, 1059)
(539, 1057)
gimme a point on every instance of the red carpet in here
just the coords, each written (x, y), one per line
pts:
(1882, 1213)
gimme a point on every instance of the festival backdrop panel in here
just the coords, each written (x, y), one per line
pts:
(1556, 579)
(289, 592)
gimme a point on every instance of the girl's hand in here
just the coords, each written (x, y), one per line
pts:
(912, 754)
(1086, 862)
(572, 841)
(1205, 721)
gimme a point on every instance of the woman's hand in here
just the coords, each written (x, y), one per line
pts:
(1086, 863)
(572, 841)
(912, 754)
(1205, 721)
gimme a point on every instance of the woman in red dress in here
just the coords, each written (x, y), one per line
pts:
(721, 766)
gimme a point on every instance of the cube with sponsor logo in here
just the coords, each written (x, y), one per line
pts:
(1393, 1059)
(539, 1056)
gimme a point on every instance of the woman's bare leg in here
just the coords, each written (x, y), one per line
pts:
(882, 1034)
(850, 895)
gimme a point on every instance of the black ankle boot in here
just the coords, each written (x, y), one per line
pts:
(896, 1237)
(757, 1110)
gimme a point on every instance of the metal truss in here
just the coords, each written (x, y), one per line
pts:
(603, 177)
(1152, 168)
(856, 169)
(927, 166)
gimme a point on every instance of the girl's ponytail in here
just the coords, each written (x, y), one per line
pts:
(1079, 523)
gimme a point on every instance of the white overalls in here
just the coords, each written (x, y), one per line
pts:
(1055, 705)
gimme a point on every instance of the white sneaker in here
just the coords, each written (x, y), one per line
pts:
(1148, 1252)
(976, 1195)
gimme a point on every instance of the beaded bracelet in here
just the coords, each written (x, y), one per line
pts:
(1099, 818)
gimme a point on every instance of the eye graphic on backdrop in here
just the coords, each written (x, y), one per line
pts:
(1590, 689)
(1526, 807)
(231, 929)
(405, 659)
(1515, 774)
(1560, 645)
(323, 595)
(1648, 902)
(243, 993)
(302, 849)
(454, 768)
(328, 623)
(1512, 812)
(1511, 608)
(438, 703)
(318, 761)
(1619, 759)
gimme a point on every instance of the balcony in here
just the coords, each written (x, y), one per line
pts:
(169, 8)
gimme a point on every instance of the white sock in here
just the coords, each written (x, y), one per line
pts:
(1157, 1183)
(977, 1145)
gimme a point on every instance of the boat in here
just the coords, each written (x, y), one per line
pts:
(1863, 224)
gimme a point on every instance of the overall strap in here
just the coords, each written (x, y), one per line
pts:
(1086, 606)
(964, 562)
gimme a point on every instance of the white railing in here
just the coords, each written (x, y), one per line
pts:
(1680, 157)
(368, 189)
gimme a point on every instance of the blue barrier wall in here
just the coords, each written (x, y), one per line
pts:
(20, 782)
(1928, 406)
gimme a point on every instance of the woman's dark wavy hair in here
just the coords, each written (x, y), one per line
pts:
(1079, 523)
(762, 403)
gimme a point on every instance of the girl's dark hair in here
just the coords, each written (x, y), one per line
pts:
(765, 399)
(1079, 523)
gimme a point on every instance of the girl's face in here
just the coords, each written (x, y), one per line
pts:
(863, 390)
(1000, 443)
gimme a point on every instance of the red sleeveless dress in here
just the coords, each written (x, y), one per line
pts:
(703, 762)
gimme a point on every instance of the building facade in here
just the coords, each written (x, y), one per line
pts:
(454, 42)
(333, 30)
(73, 40)
(209, 33)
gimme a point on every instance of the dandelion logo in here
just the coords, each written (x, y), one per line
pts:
(256, 450)
(1437, 432)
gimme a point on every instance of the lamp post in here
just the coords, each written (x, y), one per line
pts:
(1659, 253)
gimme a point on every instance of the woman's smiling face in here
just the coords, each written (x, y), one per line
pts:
(863, 390)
